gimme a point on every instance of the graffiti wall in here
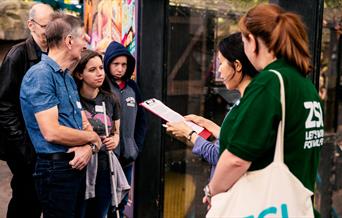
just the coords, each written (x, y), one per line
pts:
(108, 20)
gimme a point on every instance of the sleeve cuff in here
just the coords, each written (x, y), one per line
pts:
(45, 107)
(199, 143)
(241, 153)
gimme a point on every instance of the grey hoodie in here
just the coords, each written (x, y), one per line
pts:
(132, 116)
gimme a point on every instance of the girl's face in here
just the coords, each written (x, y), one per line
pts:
(230, 77)
(93, 74)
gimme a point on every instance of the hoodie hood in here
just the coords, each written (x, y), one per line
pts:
(114, 50)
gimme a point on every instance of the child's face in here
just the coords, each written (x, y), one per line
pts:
(118, 67)
(93, 74)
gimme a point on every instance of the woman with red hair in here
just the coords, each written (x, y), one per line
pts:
(274, 40)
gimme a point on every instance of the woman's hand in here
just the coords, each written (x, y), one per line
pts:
(111, 142)
(178, 129)
(205, 123)
(207, 197)
(201, 121)
(207, 200)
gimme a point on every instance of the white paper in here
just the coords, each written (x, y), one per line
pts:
(163, 111)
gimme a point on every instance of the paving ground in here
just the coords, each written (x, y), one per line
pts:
(5, 190)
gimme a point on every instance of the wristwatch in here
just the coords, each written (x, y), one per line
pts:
(190, 134)
(207, 191)
(93, 148)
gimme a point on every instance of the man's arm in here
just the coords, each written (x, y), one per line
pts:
(53, 132)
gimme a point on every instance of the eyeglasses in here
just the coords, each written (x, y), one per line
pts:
(42, 26)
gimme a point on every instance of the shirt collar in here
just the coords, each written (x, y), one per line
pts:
(122, 85)
(52, 63)
(276, 64)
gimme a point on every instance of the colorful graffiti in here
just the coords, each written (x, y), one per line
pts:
(108, 20)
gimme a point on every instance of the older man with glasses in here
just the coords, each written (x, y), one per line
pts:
(41, 26)
(16, 147)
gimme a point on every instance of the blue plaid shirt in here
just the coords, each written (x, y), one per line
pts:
(44, 86)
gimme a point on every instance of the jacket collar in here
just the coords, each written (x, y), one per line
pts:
(32, 48)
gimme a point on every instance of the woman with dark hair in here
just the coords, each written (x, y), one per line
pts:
(89, 76)
(275, 40)
(236, 72)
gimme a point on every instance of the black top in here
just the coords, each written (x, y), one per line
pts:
(94, 111)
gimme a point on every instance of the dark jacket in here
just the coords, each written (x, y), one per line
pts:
(133, 123)
(14, 138)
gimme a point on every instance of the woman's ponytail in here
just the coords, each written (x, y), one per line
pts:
(283, 32)
(289, 40)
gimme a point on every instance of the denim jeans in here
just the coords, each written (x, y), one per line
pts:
(60, 188)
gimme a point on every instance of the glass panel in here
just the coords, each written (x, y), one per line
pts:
(193, 87)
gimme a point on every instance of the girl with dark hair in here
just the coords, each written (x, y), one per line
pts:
(236, 72)
(89, 76)
(274, 40)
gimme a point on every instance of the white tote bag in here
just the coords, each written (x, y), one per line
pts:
(270, 192)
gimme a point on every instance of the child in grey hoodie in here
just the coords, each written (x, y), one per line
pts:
(119, 66)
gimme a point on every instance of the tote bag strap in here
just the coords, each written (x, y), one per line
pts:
(279, 150)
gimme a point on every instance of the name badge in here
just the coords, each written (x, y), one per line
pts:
(99, 108)
(79, 104)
